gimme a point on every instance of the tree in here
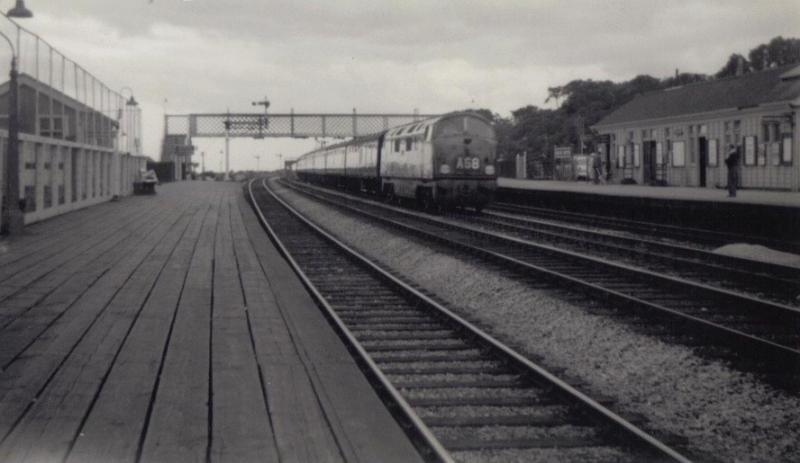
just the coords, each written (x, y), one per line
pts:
(683, 79)
(554, 93)
(777, 52)
(731, 68)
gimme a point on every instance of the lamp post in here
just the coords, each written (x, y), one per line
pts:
(130, 119)
(14, 220)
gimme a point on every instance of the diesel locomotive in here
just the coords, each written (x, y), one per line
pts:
(445, 161)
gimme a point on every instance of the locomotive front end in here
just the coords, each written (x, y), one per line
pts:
(464, 154)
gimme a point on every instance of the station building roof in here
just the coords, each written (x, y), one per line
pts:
(774, 85)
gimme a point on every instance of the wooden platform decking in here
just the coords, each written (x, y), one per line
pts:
(167, 328)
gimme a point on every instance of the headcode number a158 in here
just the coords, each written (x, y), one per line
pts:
(468, 163)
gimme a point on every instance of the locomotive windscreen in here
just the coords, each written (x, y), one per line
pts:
(465, 124)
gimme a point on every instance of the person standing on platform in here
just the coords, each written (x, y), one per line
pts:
(594, 161)
(732, 161)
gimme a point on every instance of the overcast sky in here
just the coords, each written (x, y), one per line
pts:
(386, 56)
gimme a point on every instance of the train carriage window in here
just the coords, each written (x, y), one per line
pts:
(409, 143)
(427, 132)
(397, 145)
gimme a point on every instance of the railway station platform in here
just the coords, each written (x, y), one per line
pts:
(168, 328)
(768, 214)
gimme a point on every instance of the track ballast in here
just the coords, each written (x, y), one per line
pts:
(452, 384)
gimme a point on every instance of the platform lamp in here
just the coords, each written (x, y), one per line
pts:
(130, 125)
(14, 221)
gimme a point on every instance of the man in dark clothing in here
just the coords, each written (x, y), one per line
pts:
(732, 161)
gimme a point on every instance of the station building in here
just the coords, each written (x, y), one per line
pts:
(680, 136)
(70, 153)
(176, 158)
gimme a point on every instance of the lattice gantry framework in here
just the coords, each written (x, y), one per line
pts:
(255, 125)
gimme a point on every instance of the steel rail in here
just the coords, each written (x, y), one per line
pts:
(690, 234)
(730, 335)
(678, 249)
(521, 361)
(423, 432)
(751, 274)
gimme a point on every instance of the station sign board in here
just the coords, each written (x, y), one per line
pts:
(562, 152)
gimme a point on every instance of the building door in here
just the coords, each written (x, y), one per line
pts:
(702, 150)
(605, 156)
(649, 162)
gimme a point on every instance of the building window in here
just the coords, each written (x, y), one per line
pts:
(51, 127)
(678, 155)
(786, 150)
(713, 153)
(659, 154)
(637, 152)
(770, 131)
(48, 196)
(30, 198)
(750, 151)
(620, 156)
(666, 132)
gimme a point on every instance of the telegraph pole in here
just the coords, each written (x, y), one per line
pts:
(264, 103)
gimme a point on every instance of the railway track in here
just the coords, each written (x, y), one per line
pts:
(755, 335)
(765, 280)
(699, 236)
(461, 393)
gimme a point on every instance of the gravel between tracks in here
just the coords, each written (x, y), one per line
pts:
(721, 411)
